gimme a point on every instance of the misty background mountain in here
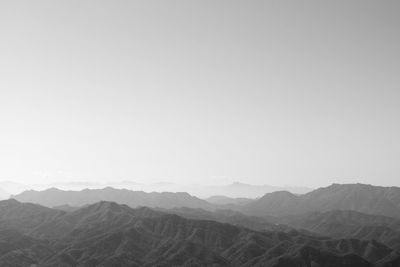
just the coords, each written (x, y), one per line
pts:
(233, 190)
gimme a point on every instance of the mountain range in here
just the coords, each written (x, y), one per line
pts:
(55, 197)
(233, 190)
(338, 225)
(109, 234)
(368, 199)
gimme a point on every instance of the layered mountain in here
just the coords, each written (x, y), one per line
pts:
(349, 224)
(54, 197)
(336, 224)
(363, 198)
(231, 217)
(108, 234)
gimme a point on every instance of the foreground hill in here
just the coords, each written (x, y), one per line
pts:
(111, 235)
(54, 197)
(363, 198)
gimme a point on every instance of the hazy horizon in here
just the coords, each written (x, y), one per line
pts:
(200, 92)
(160, 182)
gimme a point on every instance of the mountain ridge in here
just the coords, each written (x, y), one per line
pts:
(55, 197)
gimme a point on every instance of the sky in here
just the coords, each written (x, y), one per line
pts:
(300, 93)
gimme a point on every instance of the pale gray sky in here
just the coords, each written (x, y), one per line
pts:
(264, 92)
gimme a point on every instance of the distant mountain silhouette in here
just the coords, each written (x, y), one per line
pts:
(233, 190)
(54, 197)
(242, 190)
(363, 198)
(108, 234)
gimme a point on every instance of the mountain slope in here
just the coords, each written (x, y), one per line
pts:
(367, 199)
